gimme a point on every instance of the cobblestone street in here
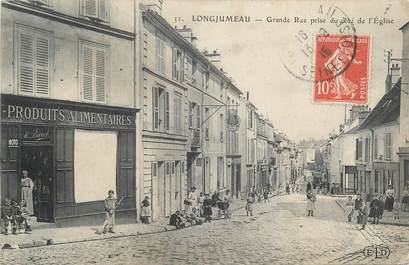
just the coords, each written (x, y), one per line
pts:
(279, 233)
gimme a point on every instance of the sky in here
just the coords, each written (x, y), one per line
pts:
(255, 54)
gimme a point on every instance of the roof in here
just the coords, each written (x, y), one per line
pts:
(404, 26)
(173, 33)
(387, 109)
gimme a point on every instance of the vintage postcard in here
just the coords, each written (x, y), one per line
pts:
(204, 132)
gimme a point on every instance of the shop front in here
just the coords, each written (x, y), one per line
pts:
(73, 153)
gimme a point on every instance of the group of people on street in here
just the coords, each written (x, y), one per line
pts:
(367, 208)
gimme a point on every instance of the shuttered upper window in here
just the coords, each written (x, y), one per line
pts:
(93, 61)
(95, 9)
(33, 61)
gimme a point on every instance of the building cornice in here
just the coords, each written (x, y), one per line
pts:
(66, 19)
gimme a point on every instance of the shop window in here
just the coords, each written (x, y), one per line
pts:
(96, 10)
(93, 61)
(33, 61)
(94, 175)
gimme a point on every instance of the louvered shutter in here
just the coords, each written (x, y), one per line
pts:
(87, 72)
(103, 10)
(155, 106)
(174, 59)
(100, 80)
(42, 62)
(26, 62)
(185, 76)
(167, 114)
(89, 8)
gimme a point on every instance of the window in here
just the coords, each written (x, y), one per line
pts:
(42, 3)
(95, 9)
(93, 72)
(206, 125)
(160, 55)
(198, 117)
(220, 173)
(154, 169)
(205, 80)
(160, 107)
(192, 108)
(367, 149)
(358, 149)
(188, 70)
(250, 119)
(33, 62)
(375, 148)
(221, 127)
(94, 174)
(177, 113)
(388, 146)
(177, 65)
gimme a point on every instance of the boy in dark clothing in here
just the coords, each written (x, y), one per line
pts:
(207, 208)
(358, 205)
(7, 216)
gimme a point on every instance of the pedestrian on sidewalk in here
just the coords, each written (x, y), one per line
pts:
(191, 201)
(111, 203)
(405, 199)
(207, 208)
(227, 205)
(310, 203)
(381, 206)
(145, 210)
(200, 201)
(350, 208)
(396, 209)
(358, 206)
(374, 210)
(389, 199)
(308, 187)
(364, 213)
(251, 199)
(7, 216)
(265, 194)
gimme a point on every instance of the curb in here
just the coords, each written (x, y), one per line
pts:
(53, 242)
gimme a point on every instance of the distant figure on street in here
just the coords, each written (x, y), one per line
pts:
(177, 220)
(27, 186)
(389, 199)
(251, 199)
(350, 208)
(405, 199)
(287, 189)
(364, 213)
(358, 206)
(111, 203)
(374, 210)
(215, 198)
(192, 200)
(265, 195)
(381, 206)
(207, 208)
(308, 187)
(328, 188)
(396, 209)
(200, 201)
(310, 203)
(145, 210)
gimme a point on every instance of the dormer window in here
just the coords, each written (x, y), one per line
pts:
(95, 10)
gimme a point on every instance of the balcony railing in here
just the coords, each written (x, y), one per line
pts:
(195, 137)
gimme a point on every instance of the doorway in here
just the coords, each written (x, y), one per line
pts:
(37, 160)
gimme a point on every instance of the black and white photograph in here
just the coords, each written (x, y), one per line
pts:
(172, 132)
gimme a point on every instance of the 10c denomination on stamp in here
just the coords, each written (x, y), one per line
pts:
(341, 68)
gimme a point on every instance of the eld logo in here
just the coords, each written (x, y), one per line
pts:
(377, 251)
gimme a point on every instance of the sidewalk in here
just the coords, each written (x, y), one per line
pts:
(387, 218)
(55, 236)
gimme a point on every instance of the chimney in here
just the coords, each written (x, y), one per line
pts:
(214, 58)
(392, 77)
(187, 33)
(355, 110)
(154, 5)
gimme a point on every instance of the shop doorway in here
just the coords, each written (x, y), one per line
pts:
(37, 160)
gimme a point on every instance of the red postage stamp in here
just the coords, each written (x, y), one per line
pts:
(341, 69)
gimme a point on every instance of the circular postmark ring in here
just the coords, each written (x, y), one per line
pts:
(345, 29)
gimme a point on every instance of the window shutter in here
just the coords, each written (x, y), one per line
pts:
(185, 68)
(87, 72)
(167, 116)
(155, 106)
(100, 80)
(174, 68)
(26, 63)
(103, 10)
(42, 69)
(89, 8)
(198, 117)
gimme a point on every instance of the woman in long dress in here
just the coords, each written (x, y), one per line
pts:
(389, 199)
(27, 186)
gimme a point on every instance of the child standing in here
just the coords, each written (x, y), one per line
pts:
(364, 213)
(265, 194)
(207, 207)
(111, 203)
(7, 216)
(350, 208)
(396, 208)
(25, 215)
(310, 204)
(200, 201)
(145, 210)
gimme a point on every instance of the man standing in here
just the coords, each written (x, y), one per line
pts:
(358, 205)
(308, 187)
